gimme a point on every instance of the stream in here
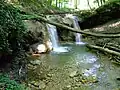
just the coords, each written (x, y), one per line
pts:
(77, 69)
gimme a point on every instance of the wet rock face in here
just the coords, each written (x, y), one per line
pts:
(37, 32)
(63, 35)
(37, 38)
(66, 35)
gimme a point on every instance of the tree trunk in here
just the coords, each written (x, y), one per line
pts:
(98, 2)
(59, 3)
(41, 19)
(101, 1)
(89, 4)
(104, 1)
(75, 4)
(56, 2)
(103, 49)
(110, 47)
(50, 2)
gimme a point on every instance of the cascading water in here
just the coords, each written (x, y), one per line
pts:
(53, 35)
(76, 26)
(54, 39)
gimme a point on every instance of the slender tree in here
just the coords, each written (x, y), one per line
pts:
(50, 2)
(89, 4)
(59, 3)
(75, 4)
(56, 2)
(98, 2)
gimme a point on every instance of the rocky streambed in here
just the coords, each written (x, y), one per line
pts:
(77, 69)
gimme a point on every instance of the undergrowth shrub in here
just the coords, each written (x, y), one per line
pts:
(11, 29)
(7, 84)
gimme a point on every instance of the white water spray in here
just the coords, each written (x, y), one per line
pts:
(76, 26)
(53, 35)
(54, 39)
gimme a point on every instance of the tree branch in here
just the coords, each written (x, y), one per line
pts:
(41, 19)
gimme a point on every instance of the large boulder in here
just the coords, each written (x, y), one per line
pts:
(39, 48)
(36, 33)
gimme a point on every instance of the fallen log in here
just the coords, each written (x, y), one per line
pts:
(41, 19)
(57, 13)
(103, 49)
(109, 47)
(114, 45)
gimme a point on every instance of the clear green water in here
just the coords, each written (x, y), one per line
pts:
(88, 66)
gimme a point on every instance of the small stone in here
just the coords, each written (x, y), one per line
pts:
(42, 85)
(68, 86)
(36, 84)
(31, 67)
(32, 82)
(49, 75)
(75, 88)
(73, 74)
(36, 62)
(78, 84)
(76, 80)
(32, 87)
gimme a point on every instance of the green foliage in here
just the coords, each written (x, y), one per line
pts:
(113, 1)
(43, 6)
(11, 29)
(109, 7)
(7, 84)
(85, 14)
(103, 14)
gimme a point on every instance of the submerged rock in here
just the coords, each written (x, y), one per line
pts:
(73, 74)
(38, 84)
(49, 75)
(68, 86)
(30, 66)
(42, 85)
(36, 62)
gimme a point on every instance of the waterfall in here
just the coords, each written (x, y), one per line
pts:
(54, 39)
(76, 26)
(53, 35)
